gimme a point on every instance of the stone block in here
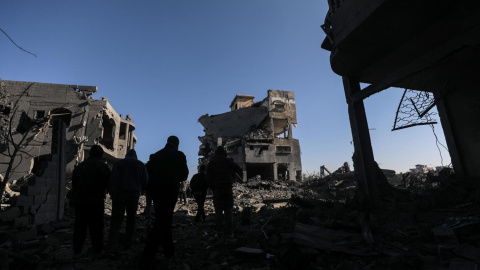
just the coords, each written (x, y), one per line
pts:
(22, 221)
(40, 218)
(29, 209)
(52, 199)
(30, 190)
(38, 181)
(21, 200)
(51, 182)
(28, 235)
(39, 199)
(48, 190)
(10, 214)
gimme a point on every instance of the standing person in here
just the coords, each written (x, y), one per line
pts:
(89, 184)
(166, 169)
(220, 176)
(128, 179)
(182, 195)
(198, 185)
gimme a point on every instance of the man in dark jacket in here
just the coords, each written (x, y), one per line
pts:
(128, 179)
(89, 183)
(166, 169)
(220, 176)
(198, 185)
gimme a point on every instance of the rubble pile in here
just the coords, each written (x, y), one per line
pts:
(315, 224)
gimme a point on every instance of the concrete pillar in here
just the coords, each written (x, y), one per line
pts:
(291, 172)
(364, 162)
(275, 171)
(460, 117)
(244, 169)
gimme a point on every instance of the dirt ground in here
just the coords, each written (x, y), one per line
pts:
(428, 223)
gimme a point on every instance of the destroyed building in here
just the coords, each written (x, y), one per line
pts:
(49, 128)
(257, 136)
(427, 46)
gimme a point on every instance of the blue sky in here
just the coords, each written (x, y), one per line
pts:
(168, 62)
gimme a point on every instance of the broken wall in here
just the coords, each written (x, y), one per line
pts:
(88, 121)
(41, 198)
(252, 138)
(459, 113)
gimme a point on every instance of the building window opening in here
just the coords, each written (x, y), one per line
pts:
(108, 136)
(282, 171)
(279, 106)
(283, 149)
(123, 131)
(264, 170)
(5, 111)
(39, 114)
(64, 114)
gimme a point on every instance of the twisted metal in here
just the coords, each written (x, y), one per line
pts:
(414, 109)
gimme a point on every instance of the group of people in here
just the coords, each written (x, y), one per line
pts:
(161, 179)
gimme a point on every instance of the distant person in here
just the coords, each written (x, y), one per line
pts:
(198, 186)
(128, 179)
(89, 183)
(182, 194)
(166, 169)
(148, 208)
(220, 176)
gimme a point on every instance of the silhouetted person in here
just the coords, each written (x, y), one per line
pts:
(166, 169)
(89, 183)
(148, 207)
(220, 176)
(198, 185)
(128, 179)
(182, 194)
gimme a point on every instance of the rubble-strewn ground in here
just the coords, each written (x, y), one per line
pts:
(288, 225)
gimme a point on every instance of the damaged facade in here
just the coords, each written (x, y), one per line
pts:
(257, 136)
(409, 44)
(51, 128)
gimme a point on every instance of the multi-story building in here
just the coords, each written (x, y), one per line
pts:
(257, 136)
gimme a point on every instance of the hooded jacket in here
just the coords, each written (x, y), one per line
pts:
(166, 168)
(129, 176)
(221, 171)
(89, 181)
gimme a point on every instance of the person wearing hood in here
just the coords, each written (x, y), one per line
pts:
(128, 180)
(166, 169)
(89, 183)
(221, 173)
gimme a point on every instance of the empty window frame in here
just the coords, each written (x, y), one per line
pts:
(283, 149)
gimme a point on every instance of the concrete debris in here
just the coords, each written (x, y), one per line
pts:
(287, 225)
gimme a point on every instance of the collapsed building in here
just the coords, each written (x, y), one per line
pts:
(257, 136)
(46, 130)
(411, 45)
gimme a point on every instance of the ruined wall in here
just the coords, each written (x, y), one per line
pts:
(41, 198)
(251, 135)
(462, 112)
(33, 107)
